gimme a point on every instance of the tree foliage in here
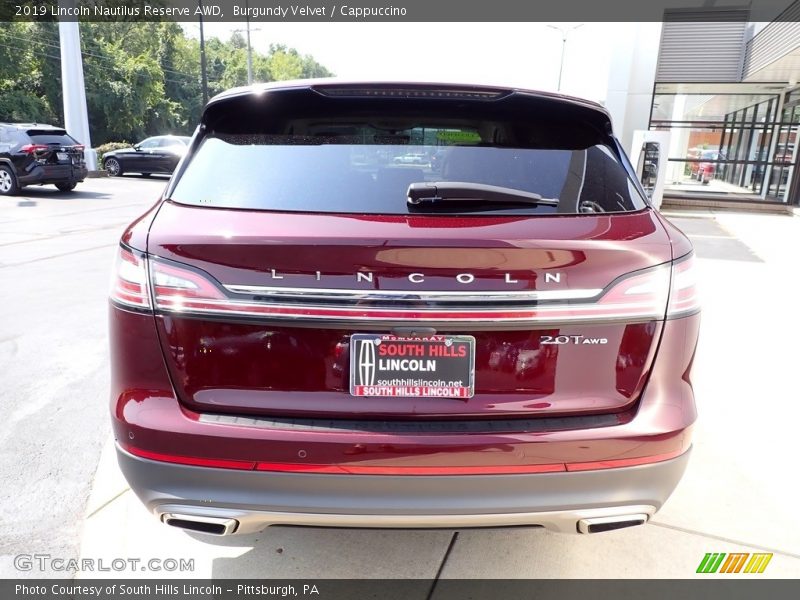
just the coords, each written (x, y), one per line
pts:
(141, 78)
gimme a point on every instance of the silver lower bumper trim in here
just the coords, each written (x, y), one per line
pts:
(566, 521)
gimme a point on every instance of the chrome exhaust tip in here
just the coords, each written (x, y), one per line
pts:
(201, 524)
(601, 524)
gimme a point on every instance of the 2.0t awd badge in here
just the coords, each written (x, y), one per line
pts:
(571, 339)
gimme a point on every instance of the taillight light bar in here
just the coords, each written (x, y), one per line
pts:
(129, 285)
(664, 290)
(641, 296)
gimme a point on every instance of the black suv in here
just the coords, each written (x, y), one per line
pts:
(32, 153)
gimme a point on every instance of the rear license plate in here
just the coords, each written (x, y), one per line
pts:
(441, 366)
(62, 156)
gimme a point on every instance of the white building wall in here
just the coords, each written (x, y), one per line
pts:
(631, 78)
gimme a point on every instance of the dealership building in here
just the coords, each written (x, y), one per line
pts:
(721, 94)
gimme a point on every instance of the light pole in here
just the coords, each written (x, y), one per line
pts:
(564, 33)
(203, 74)
(249, 47)
(249, 52)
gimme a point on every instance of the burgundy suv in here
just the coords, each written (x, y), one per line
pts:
(307, 329)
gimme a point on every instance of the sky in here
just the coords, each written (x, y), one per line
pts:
(514, 54)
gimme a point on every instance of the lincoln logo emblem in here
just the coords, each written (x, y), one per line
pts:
(366, 362)
(462, 278)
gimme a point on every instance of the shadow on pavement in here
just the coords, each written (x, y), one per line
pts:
(334, 553)
(156, 176)
(29, 194)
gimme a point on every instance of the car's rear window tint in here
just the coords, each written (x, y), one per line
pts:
(51, 137)
(365, 164)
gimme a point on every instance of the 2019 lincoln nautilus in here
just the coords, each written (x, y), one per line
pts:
(403, 305)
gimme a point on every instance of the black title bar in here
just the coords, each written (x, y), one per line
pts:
(730, 588)
(399, 10)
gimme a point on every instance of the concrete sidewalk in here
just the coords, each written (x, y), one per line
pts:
(738, 494)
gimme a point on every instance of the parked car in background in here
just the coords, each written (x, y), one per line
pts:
(412, 158)
(706, 166)
(312, 338)
(33, 153)
(159, 154)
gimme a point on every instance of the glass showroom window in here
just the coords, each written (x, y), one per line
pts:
(784, 154)
(725, 139)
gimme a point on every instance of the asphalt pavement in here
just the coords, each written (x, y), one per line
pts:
(63, 493)
(56, 253)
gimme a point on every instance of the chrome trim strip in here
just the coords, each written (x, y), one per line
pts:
(561, 521)
(388, 325)
(425, 295)
(412, 314)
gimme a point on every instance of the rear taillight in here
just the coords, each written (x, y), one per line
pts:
(683, 297)
(179, 289)
(129, 284)
(637, 296)
(33, 148)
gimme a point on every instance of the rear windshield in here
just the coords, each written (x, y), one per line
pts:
(51, 137)
(367, 169)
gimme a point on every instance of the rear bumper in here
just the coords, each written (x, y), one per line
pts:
(252, 500)
(53, 174)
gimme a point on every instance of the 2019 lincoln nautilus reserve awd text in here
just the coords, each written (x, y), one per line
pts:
(403, 305)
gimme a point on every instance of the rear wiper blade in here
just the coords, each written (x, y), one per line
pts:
(432, 192)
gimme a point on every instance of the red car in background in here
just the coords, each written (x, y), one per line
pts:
(707, 165)
(319, 336)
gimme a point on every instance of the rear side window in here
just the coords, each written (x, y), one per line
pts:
(51, 137)
(171, 142)
(6, 139)
(336, 165)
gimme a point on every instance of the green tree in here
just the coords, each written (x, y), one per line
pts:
(141, 78)
(26, 71)
(286, 63)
